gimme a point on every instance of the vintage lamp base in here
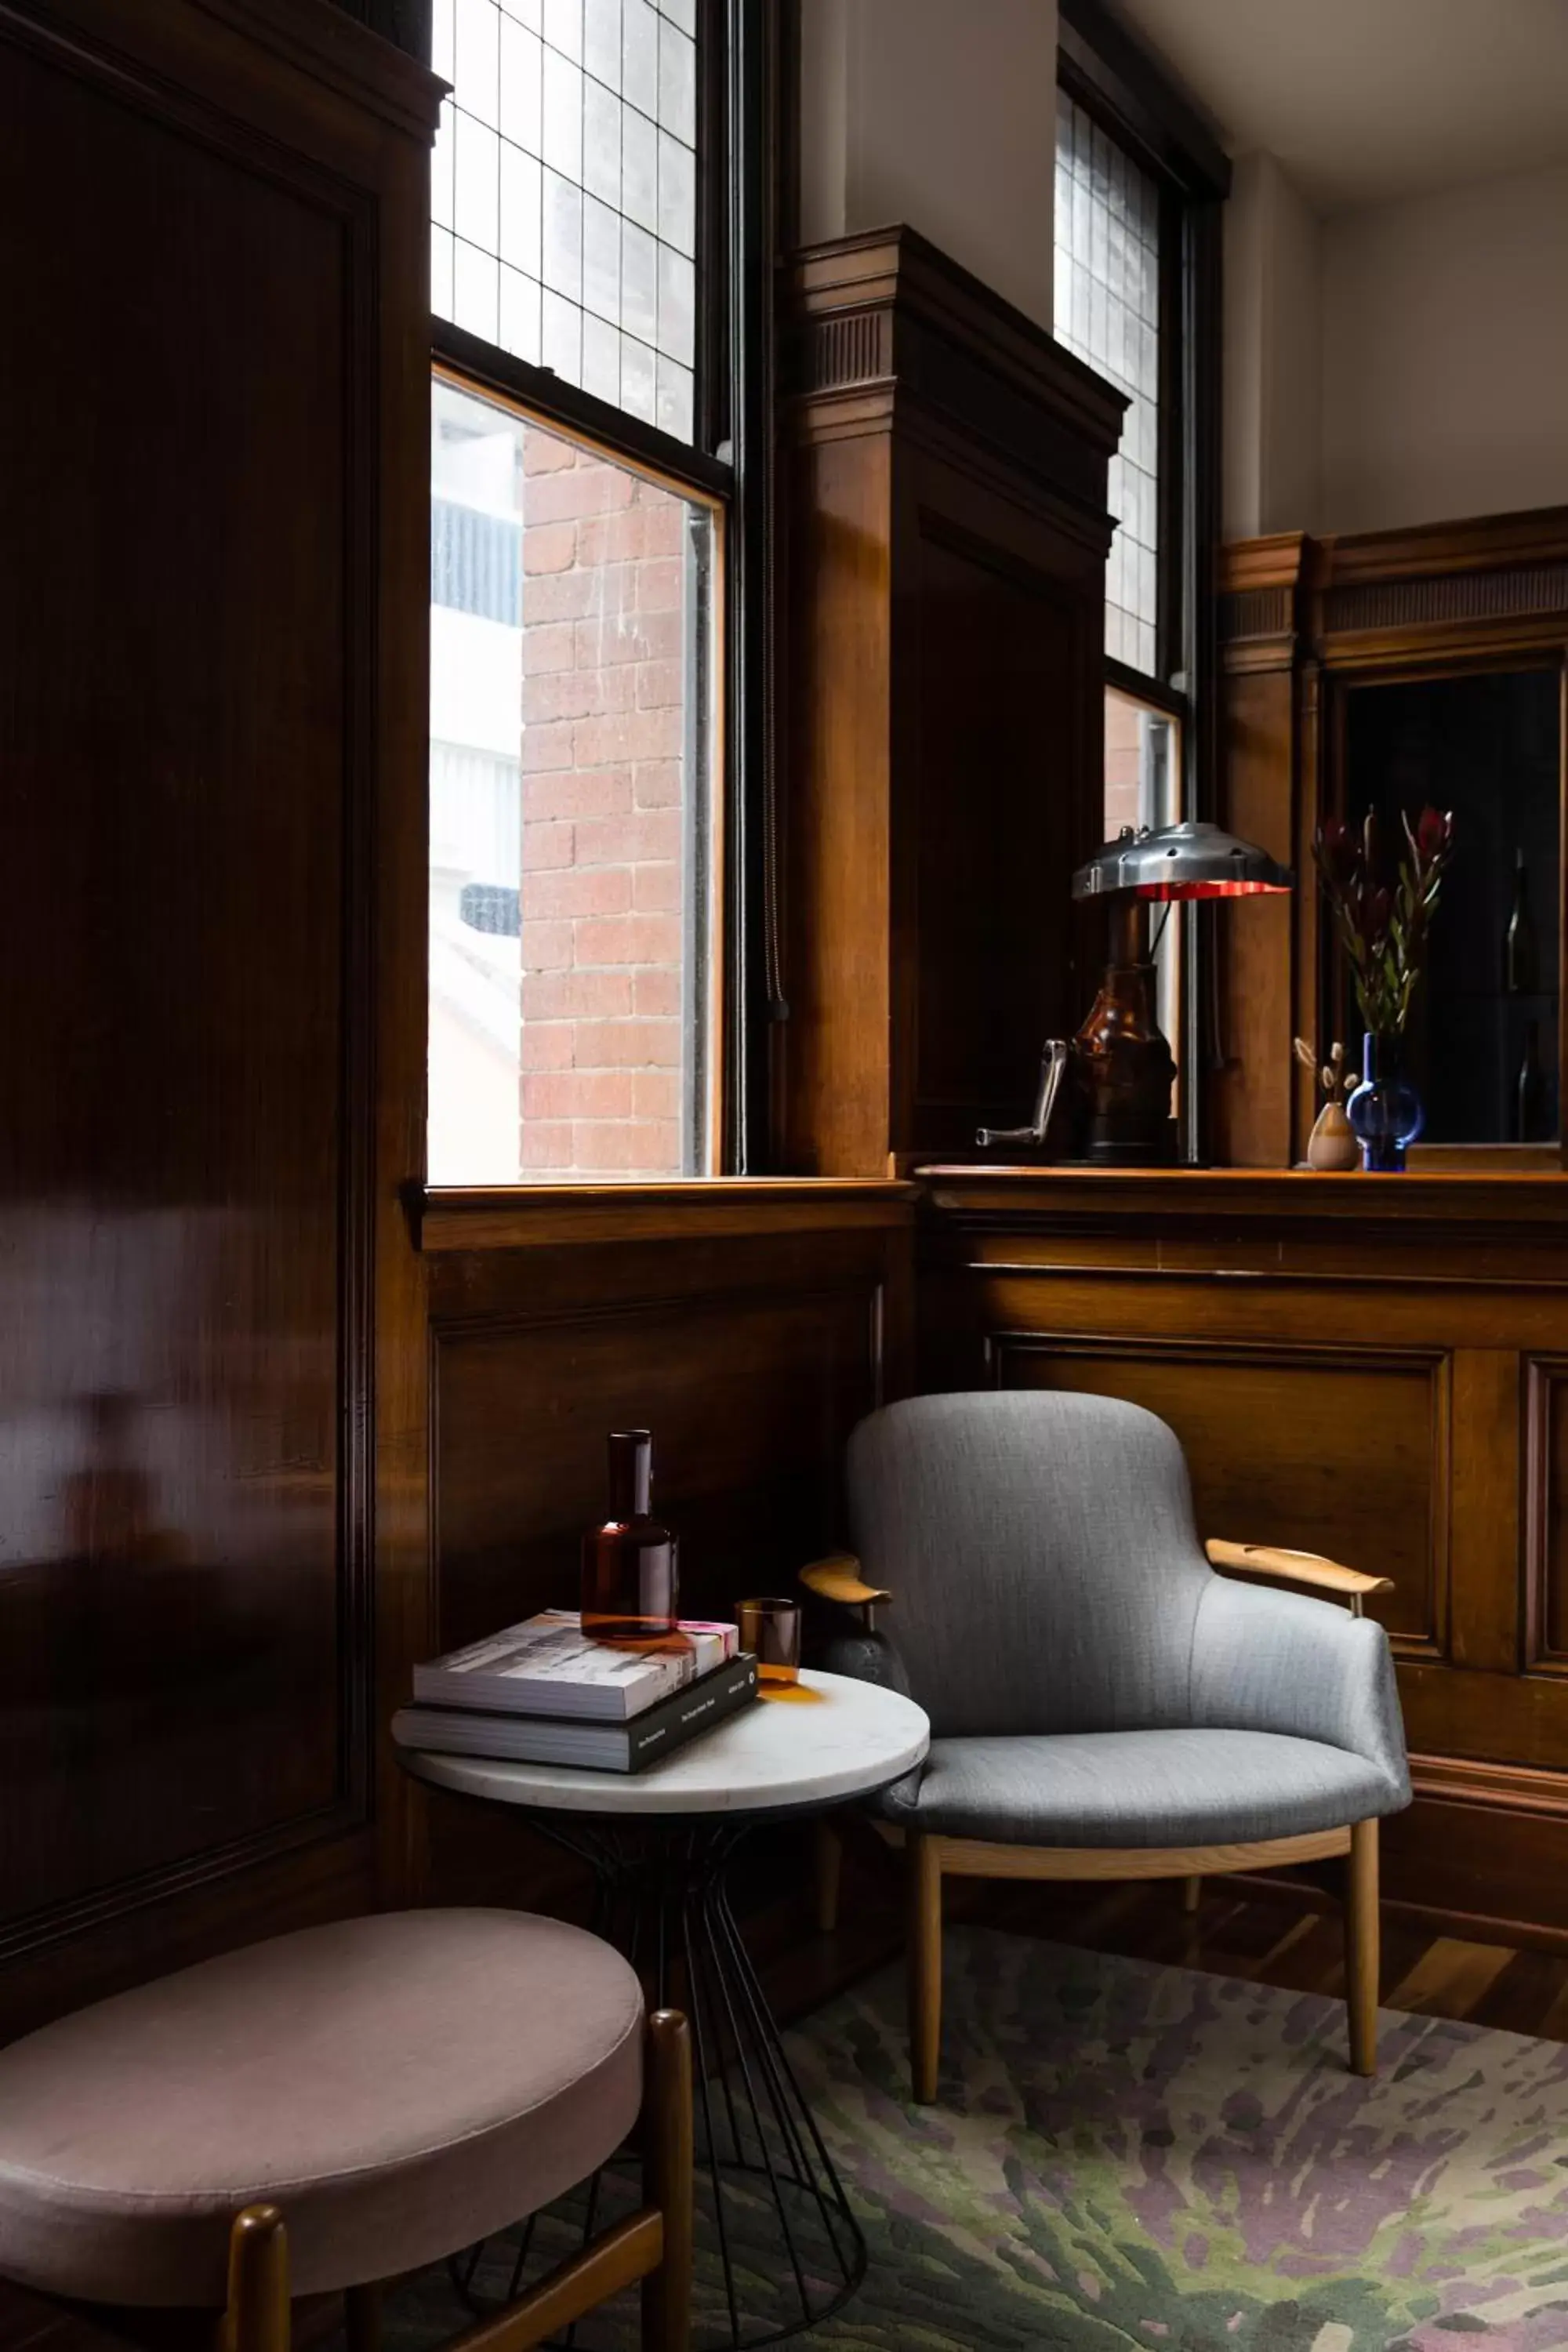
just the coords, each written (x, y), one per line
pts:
(1156, 1151)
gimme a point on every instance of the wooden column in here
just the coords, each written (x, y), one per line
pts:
(1252, 1085)
(944, 699)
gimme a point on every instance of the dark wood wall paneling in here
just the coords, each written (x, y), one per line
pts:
(1299, 619)
(213, 415)
(944, 496)
(272, 1428)
(270, 1437)
(1372, 1368)
(749, 1331)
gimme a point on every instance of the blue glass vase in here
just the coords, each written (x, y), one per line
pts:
(1384, 1112)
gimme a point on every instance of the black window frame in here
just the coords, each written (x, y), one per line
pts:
(728, 461)
(1102, 67)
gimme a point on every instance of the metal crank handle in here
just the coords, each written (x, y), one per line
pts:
(1053, 1065)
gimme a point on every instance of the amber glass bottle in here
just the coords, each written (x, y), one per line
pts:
(631, 1594)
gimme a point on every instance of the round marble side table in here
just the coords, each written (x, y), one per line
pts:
(660, 1844)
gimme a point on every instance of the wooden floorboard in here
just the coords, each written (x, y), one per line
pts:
(1521, 1997)
(1273, 1934)
(1448, 1977)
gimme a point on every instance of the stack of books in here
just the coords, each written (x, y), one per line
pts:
(543, 1693)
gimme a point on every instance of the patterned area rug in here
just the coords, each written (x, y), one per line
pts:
(1126, 2154)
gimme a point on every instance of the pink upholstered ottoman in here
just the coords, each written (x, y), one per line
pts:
(392, 2087)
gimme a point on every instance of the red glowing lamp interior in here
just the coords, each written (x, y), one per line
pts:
(1209, 889)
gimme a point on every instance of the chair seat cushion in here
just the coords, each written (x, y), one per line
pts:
(397, 2086)
(1137, 1789)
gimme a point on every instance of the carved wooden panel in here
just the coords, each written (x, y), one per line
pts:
(1254, 613)
(750, 1394)
(855, 348)
(750, 1354)
(1340, 1453)
(1371, 1370)
(1546, 1454)
(193, 410)
(994, 807)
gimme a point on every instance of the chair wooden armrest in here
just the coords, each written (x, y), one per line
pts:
(838, 1578)
(1275, 1565)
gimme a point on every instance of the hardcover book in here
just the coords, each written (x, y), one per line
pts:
(549, 1666)
(657, 1732)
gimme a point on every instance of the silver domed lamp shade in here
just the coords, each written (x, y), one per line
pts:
(1180, 861)
(1117, 1073)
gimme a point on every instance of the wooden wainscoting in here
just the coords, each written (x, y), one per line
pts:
(1364, 1367)
(1546, 1557)
(213, 412)
(750, 1347)
(1357, 1439)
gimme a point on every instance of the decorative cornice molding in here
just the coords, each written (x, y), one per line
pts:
(1477, 543)
(1441, 589)
(855, 348)
(1273, 562)
(884, 322)
(325, 42)
(1254, 613)
(1410, 603)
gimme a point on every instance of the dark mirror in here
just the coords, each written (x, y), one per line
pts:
(1484, 1035)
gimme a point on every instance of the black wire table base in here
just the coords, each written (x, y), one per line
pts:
(773, 2219)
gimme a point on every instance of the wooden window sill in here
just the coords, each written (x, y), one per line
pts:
(521, 1216)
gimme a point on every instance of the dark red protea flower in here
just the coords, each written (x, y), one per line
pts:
(1381, 924)
(1434, 833)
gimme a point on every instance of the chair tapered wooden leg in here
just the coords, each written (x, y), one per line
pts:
(827, 1868)
(925, 1966)
(362, 2318)
(1192, 1894)
(256, 2317)
(1361, 1947)
(667, 2181)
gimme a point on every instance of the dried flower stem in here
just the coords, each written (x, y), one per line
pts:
(1383, 929)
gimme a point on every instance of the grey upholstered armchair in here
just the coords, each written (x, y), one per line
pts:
(1102, 1704)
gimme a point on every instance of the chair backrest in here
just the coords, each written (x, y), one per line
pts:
(1040, 1550)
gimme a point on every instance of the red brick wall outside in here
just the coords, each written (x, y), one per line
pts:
(604, 705)
(1122, 766)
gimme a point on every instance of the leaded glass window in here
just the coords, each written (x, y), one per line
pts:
(564, 192)
(1108, 312)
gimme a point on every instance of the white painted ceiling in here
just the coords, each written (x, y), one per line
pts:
(1366, 99)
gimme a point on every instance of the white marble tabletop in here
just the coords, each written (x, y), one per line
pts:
(829, 1739)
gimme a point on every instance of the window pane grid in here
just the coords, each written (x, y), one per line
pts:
(563, 208)
(1108, 312)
